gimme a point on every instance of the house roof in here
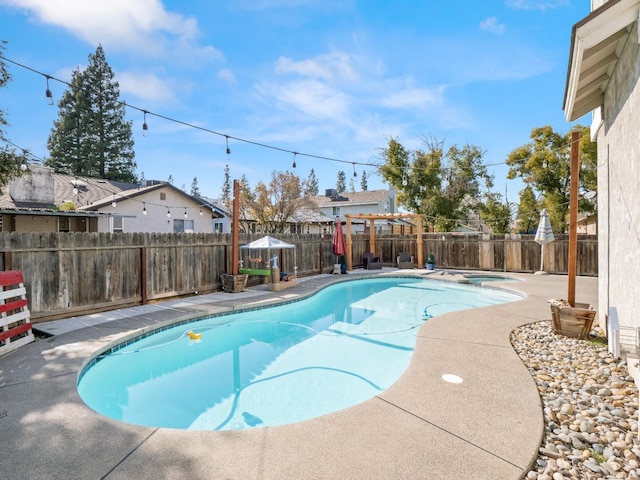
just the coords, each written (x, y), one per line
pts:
(137, 191)
(89, 190)
(596, 43)
(352, 198)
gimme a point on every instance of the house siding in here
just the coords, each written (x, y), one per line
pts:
(618, 174)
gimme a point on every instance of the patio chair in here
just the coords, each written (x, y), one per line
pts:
(370, 262)
(405, 260)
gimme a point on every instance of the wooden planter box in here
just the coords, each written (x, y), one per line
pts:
(234, 283)
(572, 321)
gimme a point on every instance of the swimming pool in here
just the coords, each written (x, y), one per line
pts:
(276, 365)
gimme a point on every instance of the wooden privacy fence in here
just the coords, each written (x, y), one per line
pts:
(69, 274)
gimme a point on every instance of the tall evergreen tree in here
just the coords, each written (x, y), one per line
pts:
(364, 185)
(311, 186)
(195, 191)
(341, 182)
(352, 185)
(10, 160)
(91, 136)
(226, 186)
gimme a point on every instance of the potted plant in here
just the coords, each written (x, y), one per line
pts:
(431, 261)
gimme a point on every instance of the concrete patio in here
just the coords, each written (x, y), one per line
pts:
(489, 426)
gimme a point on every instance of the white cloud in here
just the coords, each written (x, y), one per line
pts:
(332, 66)
(491, 25)
(227, 76)
(140, 25)
(536, 4)
(413, 97)
(310, 97)
(147, 86)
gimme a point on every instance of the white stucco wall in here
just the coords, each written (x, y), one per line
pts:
(619, 190)
(156, 219)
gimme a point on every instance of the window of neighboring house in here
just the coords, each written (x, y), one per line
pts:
(182, 226)
(295, 228)
(63, 224)
(218, 227)
(163, 196)
(336, 211)
(117, 224)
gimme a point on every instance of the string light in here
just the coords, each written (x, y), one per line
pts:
(114, 204)
(48, 93)
(144, 121)
(144, 208)
(200, 211)
(168, 213)
(294, 159)
(354, 170)
(227, 140)
(185, 212)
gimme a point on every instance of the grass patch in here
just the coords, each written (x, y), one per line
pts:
(599, 341)
(598, 456)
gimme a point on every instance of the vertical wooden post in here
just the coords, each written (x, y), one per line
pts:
(8, 261)
(143, 275)
(372, 237)
(321, 253)
(573, 216)
(419, 241)
(235, 252)
(349, 244)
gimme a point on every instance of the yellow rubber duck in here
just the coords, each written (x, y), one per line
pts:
(194, 336)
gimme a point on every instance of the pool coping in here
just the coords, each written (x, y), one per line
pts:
(421, 427)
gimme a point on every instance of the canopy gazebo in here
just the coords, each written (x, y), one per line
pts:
(372, 217)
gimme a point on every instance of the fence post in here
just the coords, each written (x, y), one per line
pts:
(143, 274)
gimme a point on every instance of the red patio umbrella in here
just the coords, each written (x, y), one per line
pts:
(338, 239)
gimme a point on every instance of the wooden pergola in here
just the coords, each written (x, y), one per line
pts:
(372, 217)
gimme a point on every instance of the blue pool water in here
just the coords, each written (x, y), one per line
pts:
(276, 365)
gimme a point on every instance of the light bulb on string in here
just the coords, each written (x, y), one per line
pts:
(144, 208)
(145, 127)
(354, 170)
(294, 159)
(200, 211)
(185, 212)
(227, 140)
(47, 92)
(168, 213)
(114, 204)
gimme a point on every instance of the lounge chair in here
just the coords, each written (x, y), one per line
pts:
(369, 262)
(405, 260)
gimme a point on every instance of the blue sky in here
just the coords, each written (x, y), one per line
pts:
(330, 78)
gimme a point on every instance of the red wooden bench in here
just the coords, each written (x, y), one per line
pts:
(15, 323)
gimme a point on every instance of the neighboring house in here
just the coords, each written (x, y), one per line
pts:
(158, 208)
(44, 201)
(604, 78)
(334, 205)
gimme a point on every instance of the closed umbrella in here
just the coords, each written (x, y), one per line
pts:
(338, 247)
(544, 235)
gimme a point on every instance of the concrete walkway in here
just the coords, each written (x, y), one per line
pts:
(488, 427)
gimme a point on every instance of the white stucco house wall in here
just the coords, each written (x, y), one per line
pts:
(334, 205)
(604, 79)
(159, 208)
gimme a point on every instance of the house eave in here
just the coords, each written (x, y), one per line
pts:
(596, 42)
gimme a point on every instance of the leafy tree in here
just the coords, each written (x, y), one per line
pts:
(90, 136)
(195, 191)
(528, 215)
(311, 186)
(363, 181)
(545, 165)
(226, 186)
(445, 187)
(341, 182)
(496, 214)
(274, 205)
(10, 160)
